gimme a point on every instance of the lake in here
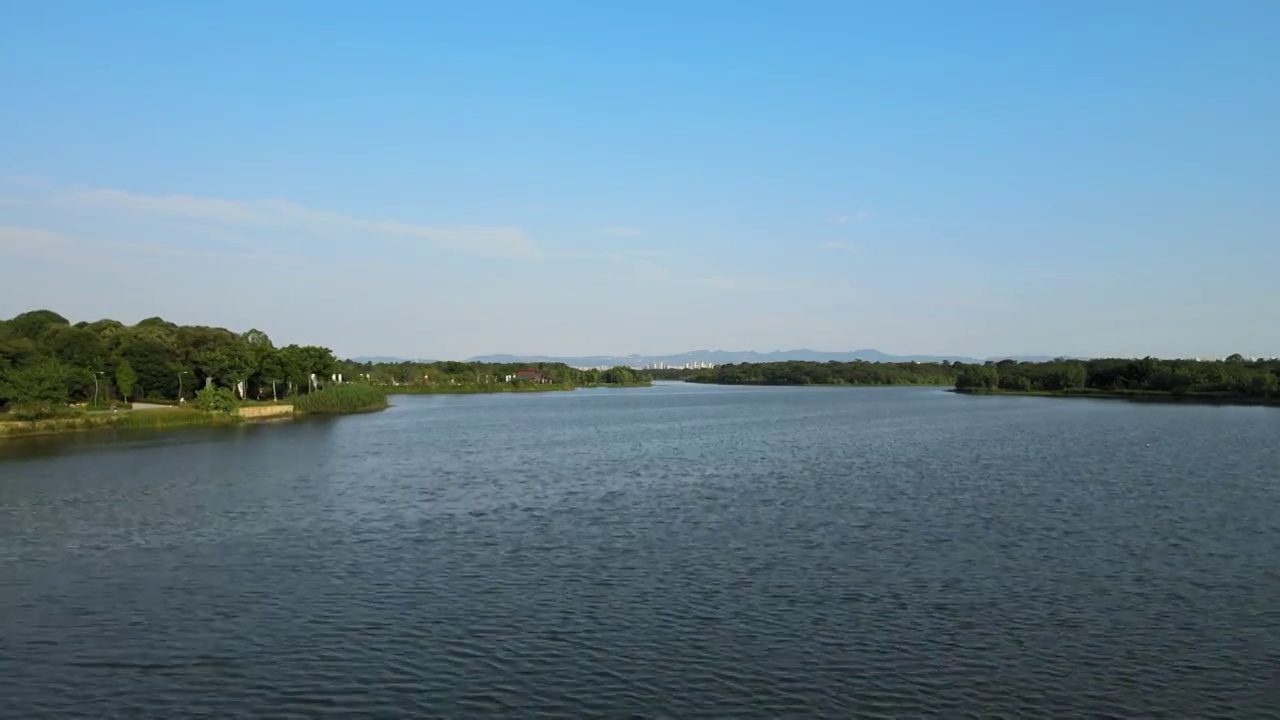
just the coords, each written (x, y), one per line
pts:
(676, 551)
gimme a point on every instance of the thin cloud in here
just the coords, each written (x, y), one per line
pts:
(51, 246)
(248, 221)
(29, 239)
(621, 231)
(857, 218)
(721, 282)
(26, 183)
(644, 267)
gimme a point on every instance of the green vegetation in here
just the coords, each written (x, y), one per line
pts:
(464, 377)
(46, 363)
(52, 370)
(469, 388)
(1232, 380)
(341, 399)
(19, 423)
(215, 400)
(798, 372)
(672, 373)
(177, 417)
(126, 378)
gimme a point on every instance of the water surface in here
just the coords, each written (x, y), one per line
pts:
(678, 551)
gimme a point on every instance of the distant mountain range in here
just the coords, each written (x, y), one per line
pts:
(722, 357)
(378, 359)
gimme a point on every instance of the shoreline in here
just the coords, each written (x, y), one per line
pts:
(249, 413)
(1138, 396)
(817, 385)
(143, 420)
(496, 388)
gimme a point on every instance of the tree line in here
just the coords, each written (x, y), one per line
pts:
(800, 372)
(45, 360)
(452, 373)
(1233, 377)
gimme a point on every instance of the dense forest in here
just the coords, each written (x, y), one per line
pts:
(475, 376)
(672, 373)
(45, 360)
(1234, 377)
(798, 372)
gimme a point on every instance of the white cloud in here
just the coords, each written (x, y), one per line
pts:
(69, 248)
(40, 244)
(621, 231)
(113, 227)
(253, 222)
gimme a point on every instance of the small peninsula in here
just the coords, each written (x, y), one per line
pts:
(56, 376)
(1235, 379)
(803, 372)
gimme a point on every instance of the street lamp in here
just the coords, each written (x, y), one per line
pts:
(180, 374)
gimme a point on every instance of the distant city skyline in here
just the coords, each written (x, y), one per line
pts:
(1093, 179)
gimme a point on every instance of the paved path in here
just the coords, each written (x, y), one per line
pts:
(151, 406)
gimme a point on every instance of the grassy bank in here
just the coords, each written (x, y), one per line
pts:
(496, 387)
(341, 400)
(138, 420)
(472, 388)
(771, 383)
(1154, 396)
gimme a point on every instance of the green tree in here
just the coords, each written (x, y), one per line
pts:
(294, 366)
(319, 360)
(978, 377)
(619, 376)
(16, 351)
(125, 379)
(1067, 376)
(76, 346)
(33, 325)
(229, 364)
(215, 399)
(271, 369)
(155, 366)
(37, 383)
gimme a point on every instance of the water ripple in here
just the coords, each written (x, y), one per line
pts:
(688, 553)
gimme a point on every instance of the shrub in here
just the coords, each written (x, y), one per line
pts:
(344, 398)
(43, 411)
(157, 419)
(215, 399)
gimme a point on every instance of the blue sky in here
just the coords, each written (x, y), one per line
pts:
(443, 180)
